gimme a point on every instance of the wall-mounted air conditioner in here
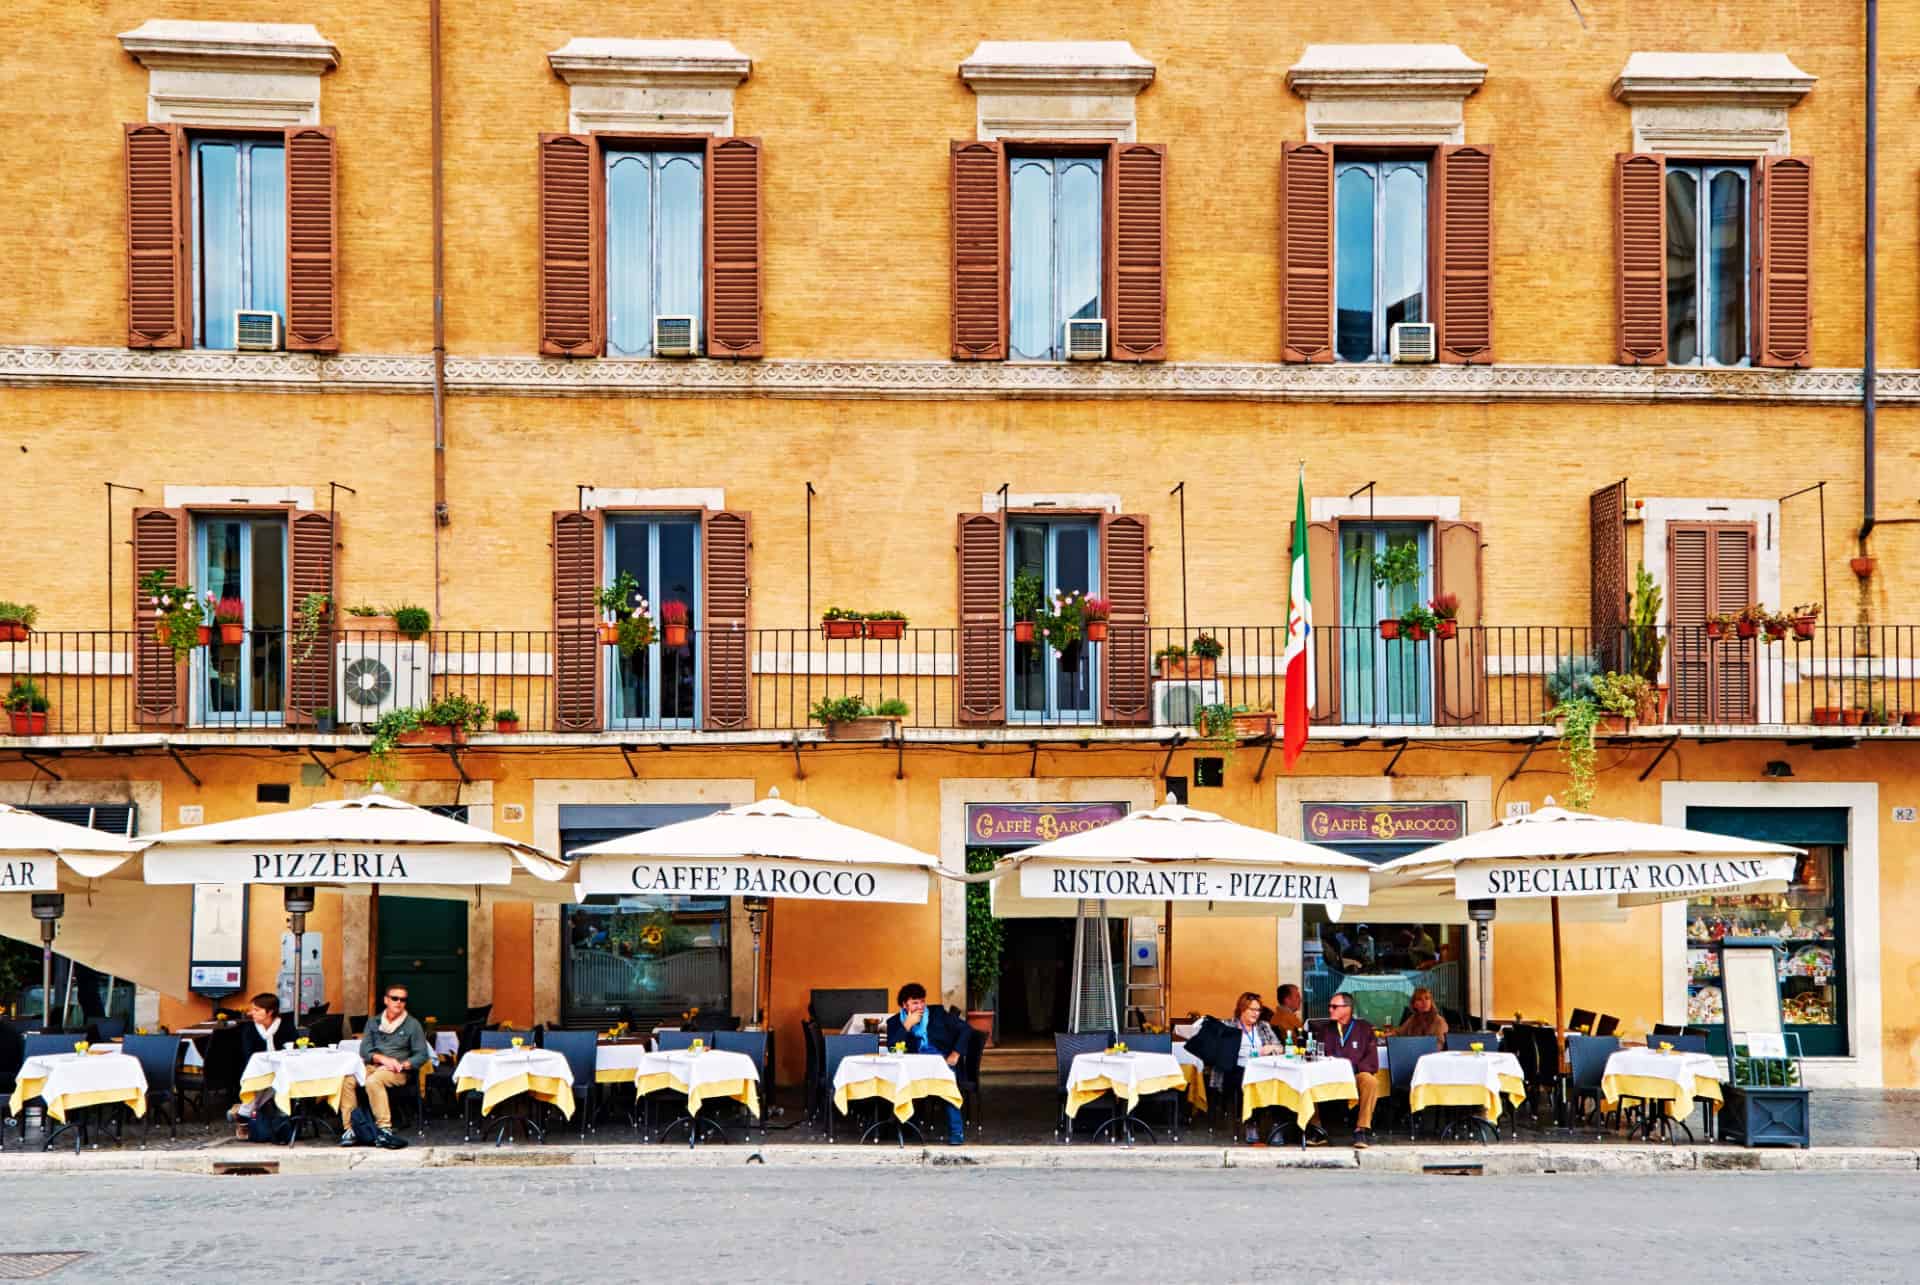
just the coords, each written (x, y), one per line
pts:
(1410, 342)
(257, 330)
(673, 337)
(1175, 703)
(1087, 340)
(379, 675)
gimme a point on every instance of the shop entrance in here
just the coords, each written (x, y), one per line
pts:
(1035, 991)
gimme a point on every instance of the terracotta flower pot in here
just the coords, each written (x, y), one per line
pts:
(1776, 631)
(676, 635)
(1825, 715)
(1416, 633)
(1615, 723)
(888, 630)
(840, 628)
(1715, 629)
(203, 634)
(1447, 628)
(434, 734)
(981, 1020)
(1389, 629)
(1745, 628)
(506, 726)
(1803, 626)
(1259, 723)
(1191, 667)
(1096, 631)
(232, 635)
(1911, 718)
(864, 729)
(609, 633)
(1023, 631)
(12, 631)
(160, 631)
(1853, 716)
(27, 722)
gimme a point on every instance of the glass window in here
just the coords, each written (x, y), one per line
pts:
(1063, 558)
(1381, 680)
(240, 233)
(1380, 253)
(244, 557)
(655, 245)
(656, 685)
(1707, 212)
(1381, 964)
(1807, 921)
(1055, 251)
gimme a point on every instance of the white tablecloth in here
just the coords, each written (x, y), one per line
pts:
(857, 1024)
(1467, 1079)
(899, 1079)
(1678, 1078)
(301, 1073)
(445, 1044)
(1295, 1084)
(66, 1081)
(498, 1074)
(711, 1073)
(617, 1063)
(1130, 1076)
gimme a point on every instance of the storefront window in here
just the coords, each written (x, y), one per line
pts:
(1807, 920)
(1380, 965)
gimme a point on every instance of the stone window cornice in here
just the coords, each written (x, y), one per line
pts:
(650, 86)
(1413, 94)
(1056, 88)
(231, 73)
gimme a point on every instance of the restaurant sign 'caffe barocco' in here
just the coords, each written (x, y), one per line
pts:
(1190, 881)
(760, 877)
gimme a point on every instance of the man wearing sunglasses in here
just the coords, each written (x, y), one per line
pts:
(1344, 1035)
(394, 1047)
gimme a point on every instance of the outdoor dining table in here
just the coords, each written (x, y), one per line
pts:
(618, 1061)
(1295, 1084)
(518, 1077)
(1196, 1072)
(857, 1024)
(1655, 1075)
(1129, 1076)
(294, 1074)
(1467, 1079)
(704, 1076)
(900, 1079)
(72, 1083)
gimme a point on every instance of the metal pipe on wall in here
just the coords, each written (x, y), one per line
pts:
(1869, 372)
(441, 516)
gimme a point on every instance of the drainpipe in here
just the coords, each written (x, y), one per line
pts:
(441, 517)
(1867, 518)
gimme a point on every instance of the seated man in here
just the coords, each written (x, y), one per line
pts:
(1344, 1035)
(1287, 1016)
(394, 1047)
(930, 1030)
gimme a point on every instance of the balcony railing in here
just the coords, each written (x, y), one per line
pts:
(1489, 676)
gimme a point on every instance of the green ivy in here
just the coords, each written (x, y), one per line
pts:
(1580, 716)
(986, 935)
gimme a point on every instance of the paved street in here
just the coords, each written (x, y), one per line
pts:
(850, 1225)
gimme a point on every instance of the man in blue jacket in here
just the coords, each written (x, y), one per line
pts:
(930, 1030)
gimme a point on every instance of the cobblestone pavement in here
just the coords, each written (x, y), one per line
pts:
(878, 1224)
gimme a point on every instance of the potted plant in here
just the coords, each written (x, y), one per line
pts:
(1853, 715)
(323, 720)
(1766, 1103)
(1416, 622)
(1643, 639)
(1093, 616)
(371, 620)
(1446, 610)
(16, 621)
(1217, 722)
(26, 708)
(177, 624)
(629, 623)
(1805, 617)
(1578, 718)
(230, 616)
(986, 941)
(1389, 630)
(889, 625)
(1028, 591)
(1910, 718)
(673, 622)
(1253, 722)
(1171, 662)
(1748, 622)
(506, 721)
(1776, 623)
(1398, 567)
(1622, 698)
(1719, 624)
(1207, 650)
(839, 622)
(850, 718)
(1061, 621)
(446, 721)
(411, 621)
(306, 628)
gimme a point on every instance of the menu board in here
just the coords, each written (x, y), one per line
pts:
(1752, 990)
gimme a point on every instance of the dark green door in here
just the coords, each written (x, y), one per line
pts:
(423, 943)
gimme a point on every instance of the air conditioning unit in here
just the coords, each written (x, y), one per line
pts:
(1176, 703)
(1087, 340)
(257, 330)
(673, 337)
(1409, 342)
(378, 676)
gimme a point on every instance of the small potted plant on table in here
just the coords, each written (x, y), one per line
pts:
(839, 623)
(26, 708)
(16, 621)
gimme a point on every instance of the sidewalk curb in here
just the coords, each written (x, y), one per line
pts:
(1505, 1160)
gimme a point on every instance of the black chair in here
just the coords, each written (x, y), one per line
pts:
(1172, 1099)
(1538, 1051)
(968, 1074)
(1582, 1021)
(357, 1024)
(159, 1057)
(1065, 1049)
(715, 1022)
(666, 1041)
(1607, 1024)
(326, 1030)
(42, 1044)
(837, 1049)
(1147, 1042)
(1682, 1043)
(478, 1015)
(1701, 1031)
(106, 1030)
(1587, 1058)
(1463, 1041)
(313, 1015)
(12, 1053)
(1663, 1028)
(582, 1051)
(1403, 1055)
(833, 1008)
(810, 1081)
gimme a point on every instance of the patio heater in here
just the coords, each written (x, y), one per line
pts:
(1480, 910)
(47, 908)
(299, 903)
(757, 909)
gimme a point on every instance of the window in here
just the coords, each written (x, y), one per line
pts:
(656, 686)
(1380, 252)
(244, 556)
(239, 233)
(1707, 211)
(655, 245)
(1062, 556)
(1055, 251)
(1383, 681)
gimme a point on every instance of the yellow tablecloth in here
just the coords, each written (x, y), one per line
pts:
(1456, 1079)
(1196, 1073)
(1128, 1076)
(1295, 1085)
(1678, 1079)
(499, 1074)
(704, 1076)
(899, 1079)
(68, 1081)
(617, 1063)
(302, 1073)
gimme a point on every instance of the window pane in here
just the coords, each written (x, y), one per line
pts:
(1405, 242)
(1353, 264)
(220, 575)
(677, 584)
(1030, 294)
(219, 242)
(632, 553)
(1029, 680)
(1683, 284)
(267, 612)
(680, 247)
(1727, 251)
(1079, 242)
(267, 228)
(1073, 571)
(629, 265)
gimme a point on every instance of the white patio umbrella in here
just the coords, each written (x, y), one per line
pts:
(766, 849)
(1556, 853)
(50, 860)
(1174, 856)
(366, 843)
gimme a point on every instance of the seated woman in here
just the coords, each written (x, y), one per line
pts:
(1422, 1018)
(1256, 1038)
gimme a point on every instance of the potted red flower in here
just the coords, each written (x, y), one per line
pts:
(1718, 625)
(1805, 617)
(839, 622)
(673, 622)
(888, 625)
(1748, 622)
(1445, 608)
(1416, 622)
(1094, 611)
(1389, 630)
(230, 615)
(26, 708)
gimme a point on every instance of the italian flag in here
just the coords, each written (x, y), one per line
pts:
(1299, 631)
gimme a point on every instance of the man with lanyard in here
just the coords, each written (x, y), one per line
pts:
(935, 1031)
(1344, 1035)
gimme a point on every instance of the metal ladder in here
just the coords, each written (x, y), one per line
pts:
(1156, 1002)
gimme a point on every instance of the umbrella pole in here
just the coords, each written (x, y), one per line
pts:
(1559, 1006)
(373, 950)
(1166, 969)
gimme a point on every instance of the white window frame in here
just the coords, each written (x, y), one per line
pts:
(1703, 173)
(1380, 170)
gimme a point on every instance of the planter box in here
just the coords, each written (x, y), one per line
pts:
(26, 723)
(981, 1020)
(434, 734)
(1191, 667)
(1803, 626)
(352, 625)
(1826, 716)
(12, 631)
(1247, 725)
(840, 628)
(506, 726)
(1853, 716)
(1615, 723)
(1446, 629)
(888, 630)
(1766, 1117)
(864, 729)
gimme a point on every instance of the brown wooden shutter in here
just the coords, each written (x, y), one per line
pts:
(313, 241)
(1710, 571)
(572, 310)
(160, 543)
(1125, 669)
(1306, 252)
(1137, 251)
(981, 665)
(1607, 561)
(1461, 661)
(1733, 589)
(1324, 643)
(158, 313)
(979, 211)
(1463, 253)
(1640, 247)
(1783, 333)
(577, 542)
(726, 547)
(733, 248)
(310, 538)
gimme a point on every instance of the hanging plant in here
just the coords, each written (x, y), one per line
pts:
(178, 624)
(307, 629)
(1062, 620)
(1028, 594)
(1579, 717)
(629, 620)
